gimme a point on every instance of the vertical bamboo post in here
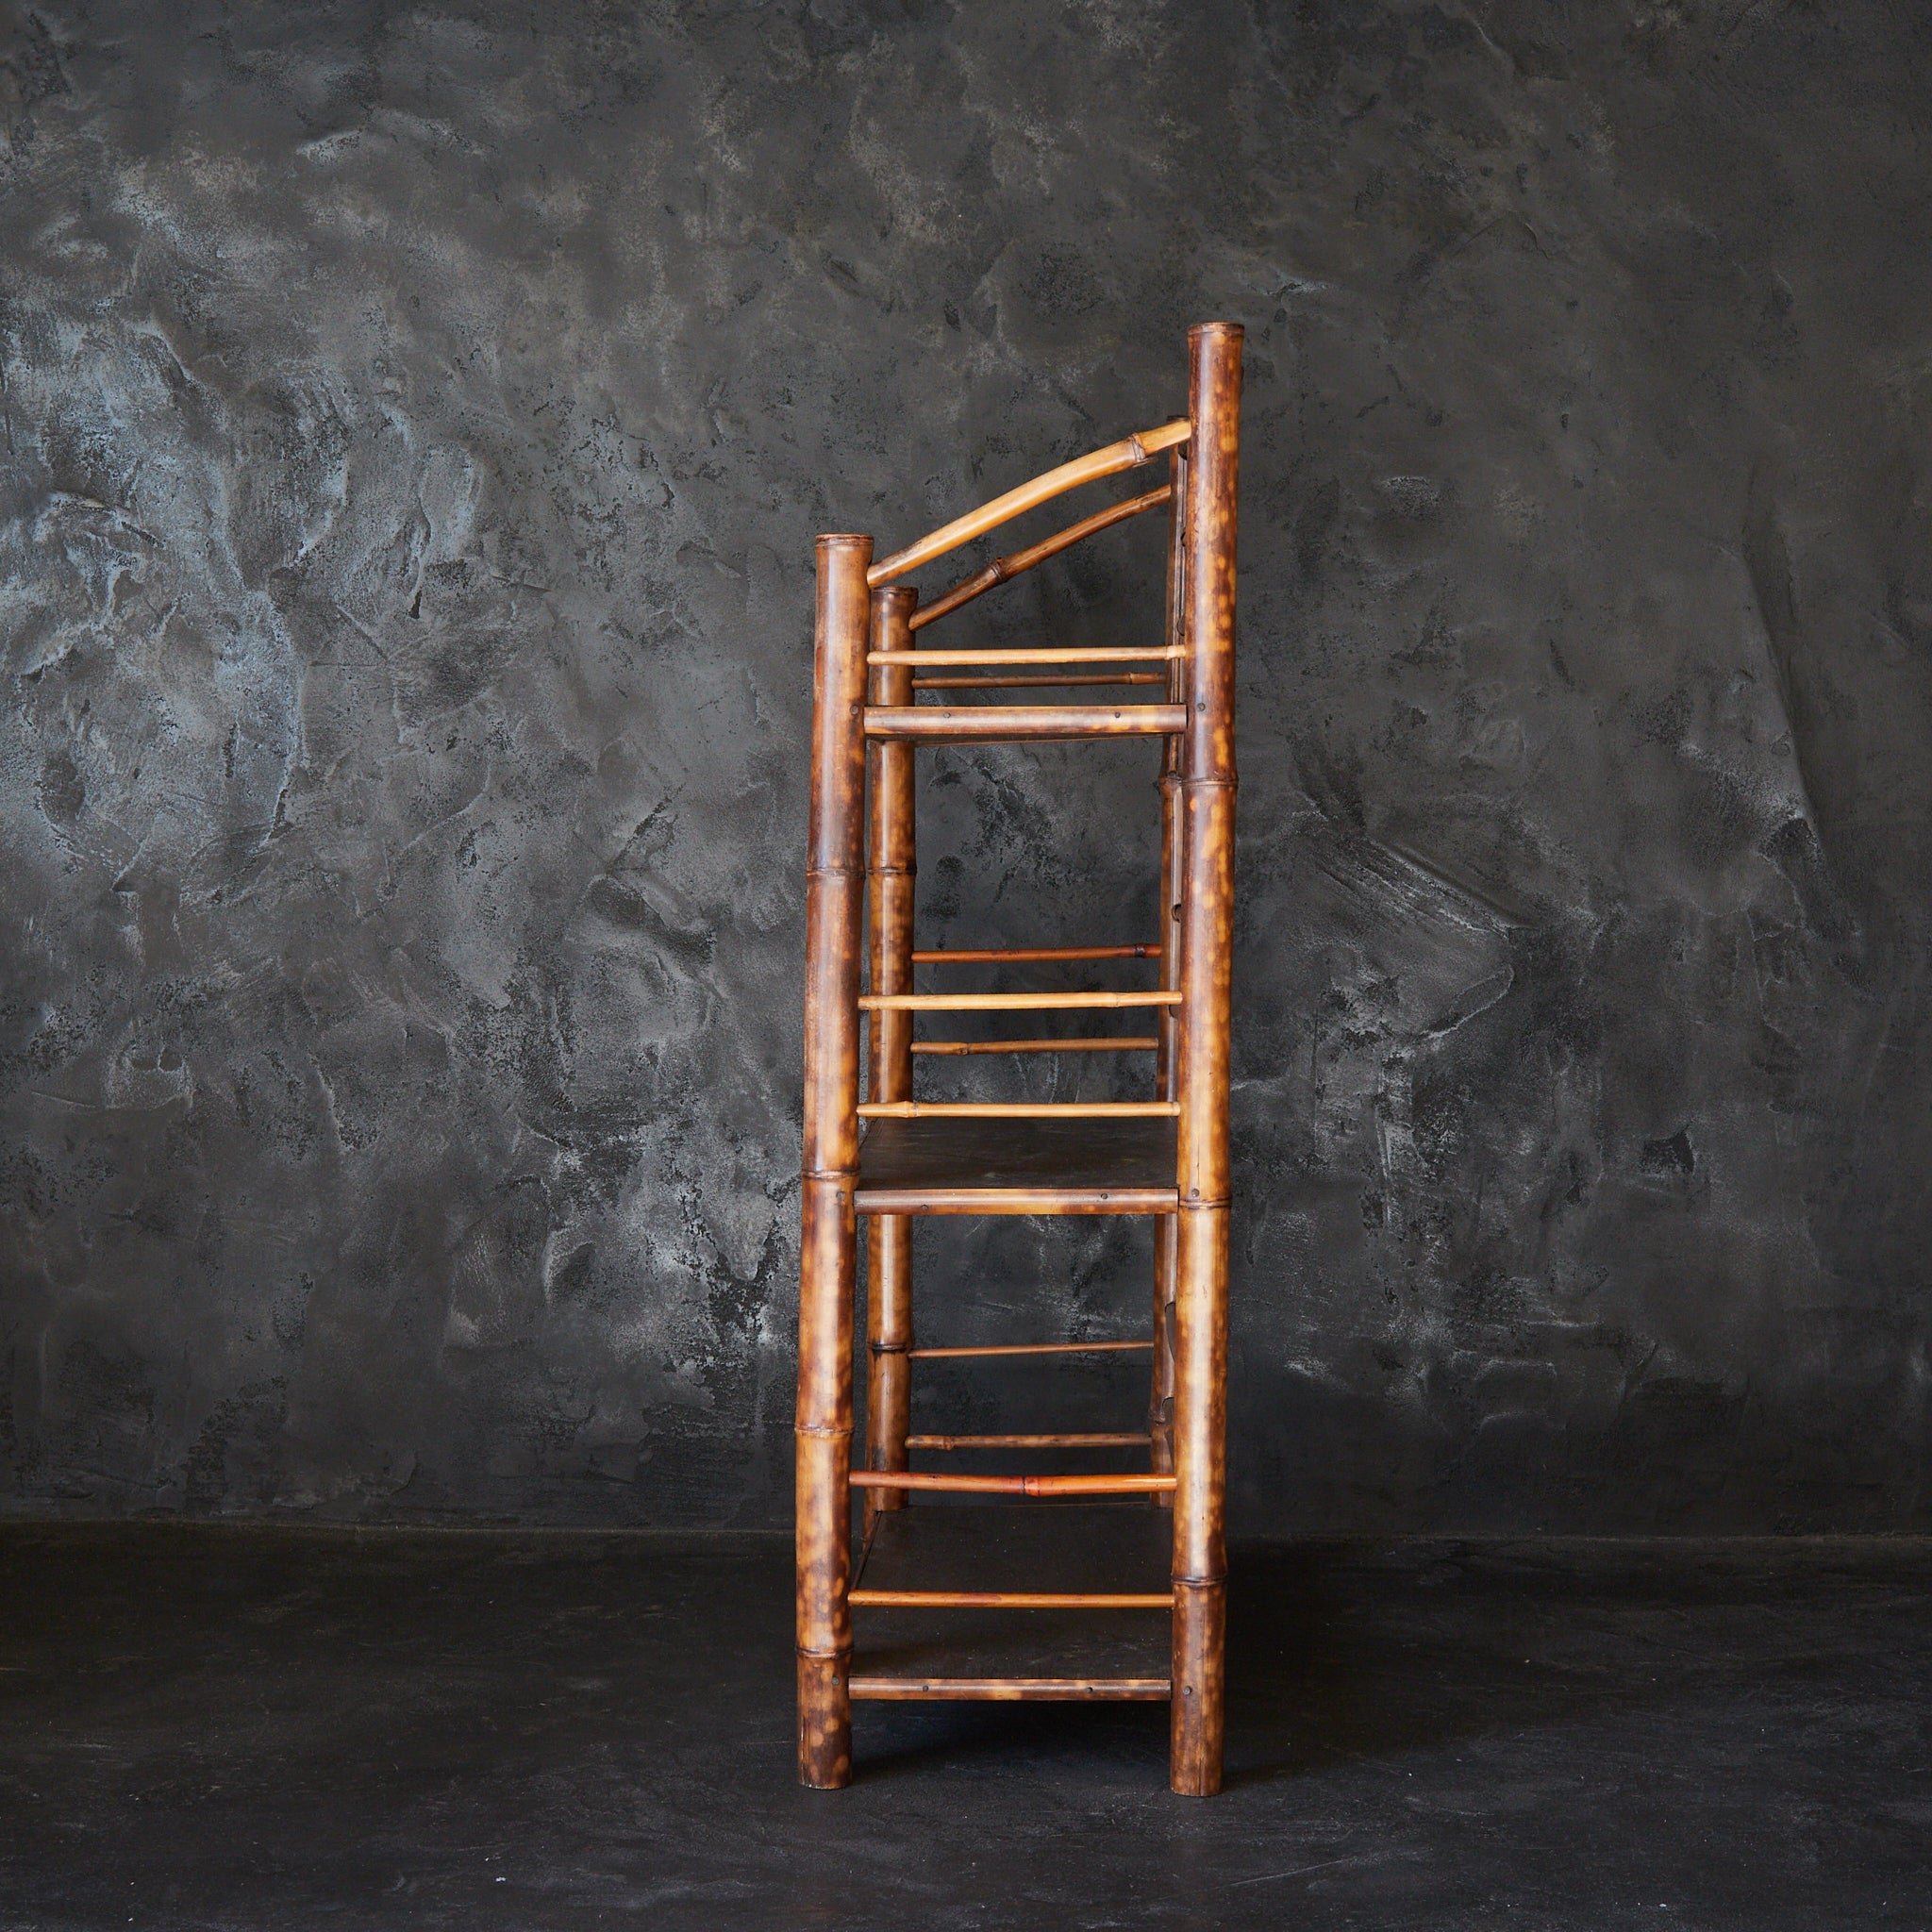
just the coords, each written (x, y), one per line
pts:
(890, 868)
(1208, 786)
(1160, 1393)
(828, 1251)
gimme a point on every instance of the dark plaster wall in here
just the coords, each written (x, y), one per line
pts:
(415, 422)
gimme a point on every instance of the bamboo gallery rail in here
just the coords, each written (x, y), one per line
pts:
(875, 1155)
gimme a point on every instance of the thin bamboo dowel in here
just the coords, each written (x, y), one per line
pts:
(1018, 723)
(988, 956)
(1013, 684)
(1092, 1440)
(1032, 654)
(1011, 1689)
(1015, 1002)
(1119, 1042)
(1014, 1484)
(1028, 1348)
(1110, 461)
(1012, 1600)
(1003, 568)
(1018, 1110)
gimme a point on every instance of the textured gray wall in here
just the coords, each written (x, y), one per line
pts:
(416, 420)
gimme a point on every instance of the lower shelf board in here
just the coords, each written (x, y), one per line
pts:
(1006, 1651)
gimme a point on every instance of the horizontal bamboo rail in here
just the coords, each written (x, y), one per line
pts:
(1036, 654)
(1113, 1042)
(1046, 1197)
(1014, 1485)
(990, 956)
(1010, 1600)
(1012, 1689)
(1012, 1002)
(1090, 1441)
(1018, 1110)
(1125, 455)
(1004, 724)
(1057, 683)
(1030, 1348)
(1003, 568)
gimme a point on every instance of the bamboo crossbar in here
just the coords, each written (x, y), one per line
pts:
(1057, 683)
(1012, 1600)
(1018, 1110)
(1011, 1689)
(1101, 1439)
(990, 955)
(1014, 1485)
(1034, 653)
(1029, 1348)
(1002, 569)
(1012, 1002)
(1125, 455)
(997, 723)
(1114, 1042)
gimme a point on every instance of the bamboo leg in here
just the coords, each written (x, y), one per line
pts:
(890, 880)
(1161, 1393)
(828, 1251)
(1207, 826)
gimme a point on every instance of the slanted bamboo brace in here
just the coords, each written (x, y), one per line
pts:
(1018, 724)
(1010, 1600)
(1011, 1689)
(1003, 568)
(1109, 461)
(1118, 1042)
(1014, 1485)
(988, 956)
(1014, 1002)
(1032, 654)
(1058, 683)
(1018, 1110)
(1092, 1440)
(1028, 1348)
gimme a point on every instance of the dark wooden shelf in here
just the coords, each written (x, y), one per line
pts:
(1018, 1167)
(1026, 1548)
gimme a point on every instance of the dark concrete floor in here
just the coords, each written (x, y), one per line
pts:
(241, 1728)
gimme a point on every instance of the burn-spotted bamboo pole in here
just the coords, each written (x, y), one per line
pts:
(891, 881)
(1161, 1391)
(829, 1252)
(1206, 832)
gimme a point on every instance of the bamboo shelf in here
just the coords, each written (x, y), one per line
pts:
(1076, 1586)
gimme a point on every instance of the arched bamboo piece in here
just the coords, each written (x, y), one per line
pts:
(1115, 1042)
(1014, 1485)
(990, 956)
(1014, 1002)
(1018, 1110)
(1002, 569)
(1015, 683)
(1033, 653)
(1109, 461)
(1012, 1600)
(1011, 724)
(1028, 1348)
(1088, 1440)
